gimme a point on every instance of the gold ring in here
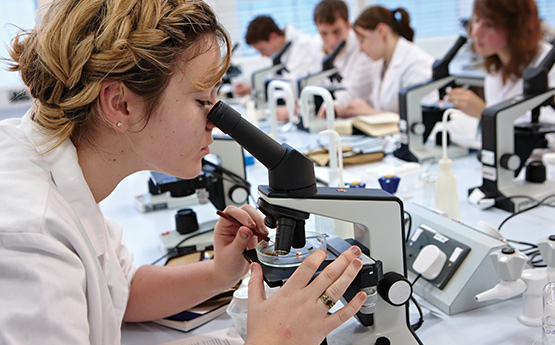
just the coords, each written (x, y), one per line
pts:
(328, 302)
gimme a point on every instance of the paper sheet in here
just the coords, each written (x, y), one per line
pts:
(227, 336)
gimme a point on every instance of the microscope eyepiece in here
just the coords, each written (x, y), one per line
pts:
(289, 171)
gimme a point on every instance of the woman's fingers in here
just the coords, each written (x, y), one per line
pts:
(336, 319)
(336, 289)
(336, 269)
(304, 273)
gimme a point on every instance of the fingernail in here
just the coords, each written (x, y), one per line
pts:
(362, 297)
(355, 250)
(243, 234)
(357, 263)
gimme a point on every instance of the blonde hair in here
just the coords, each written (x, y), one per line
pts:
(79, 44)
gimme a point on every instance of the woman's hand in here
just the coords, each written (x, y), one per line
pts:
(241, 89)
(358, 107)
(231, 240)
(466, 101)
(296, 314)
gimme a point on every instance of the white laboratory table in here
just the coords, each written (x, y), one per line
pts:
(493, 324)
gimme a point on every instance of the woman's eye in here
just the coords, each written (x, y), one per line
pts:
(204, 103)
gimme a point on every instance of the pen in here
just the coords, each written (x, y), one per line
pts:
(230, 218)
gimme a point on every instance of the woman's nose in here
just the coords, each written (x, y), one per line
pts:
(475, 29)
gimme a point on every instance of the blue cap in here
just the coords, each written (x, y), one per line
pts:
(389, 183)
(356, 184)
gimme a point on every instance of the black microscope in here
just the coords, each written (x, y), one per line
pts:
(506, 146)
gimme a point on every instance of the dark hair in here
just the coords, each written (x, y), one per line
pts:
(519, 19)
(398, 20)
(260, 29)
(79, 44)
(328, 11)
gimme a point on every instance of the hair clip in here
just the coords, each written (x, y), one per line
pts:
(397, 15)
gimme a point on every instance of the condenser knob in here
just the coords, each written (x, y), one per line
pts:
(238, 195)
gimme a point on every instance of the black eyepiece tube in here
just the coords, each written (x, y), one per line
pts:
(289, 171)
(536, 79)
(328, 60)
(440, 68)
(548, 60)
(268, 151)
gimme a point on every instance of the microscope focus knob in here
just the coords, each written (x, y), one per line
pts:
(418, 128)
(510, 161)
(395, 289)
(238, 194)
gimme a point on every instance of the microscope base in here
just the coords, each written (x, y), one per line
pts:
(537, 191)
(172, 238)
(428, 152)
(353, 333)
(148, 202)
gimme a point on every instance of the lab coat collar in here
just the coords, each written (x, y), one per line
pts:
(67, 176)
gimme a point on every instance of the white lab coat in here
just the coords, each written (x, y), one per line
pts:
(64, 272)
(354, 67)
(409, 65)
(496, 92)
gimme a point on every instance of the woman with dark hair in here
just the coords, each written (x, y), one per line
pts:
(386, 36)
(507, 34)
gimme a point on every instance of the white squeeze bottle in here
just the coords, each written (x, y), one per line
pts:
(447, 197)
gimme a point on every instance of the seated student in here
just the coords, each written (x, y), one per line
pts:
(386, 36)
(332, 21)
(268, 39)
(507, 34)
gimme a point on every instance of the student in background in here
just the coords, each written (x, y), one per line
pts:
(121, 86)
(386, 36)
(331, 18)
(508, 35)
(264, 35)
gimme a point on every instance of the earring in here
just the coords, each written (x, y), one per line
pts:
(119, 124)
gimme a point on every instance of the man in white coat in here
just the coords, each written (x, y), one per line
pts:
(264, 35)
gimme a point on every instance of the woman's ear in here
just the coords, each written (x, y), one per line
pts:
(115, 100)
(382, 29)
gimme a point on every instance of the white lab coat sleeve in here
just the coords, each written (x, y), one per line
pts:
(43, 291)
(125, 257)
(360, 81)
